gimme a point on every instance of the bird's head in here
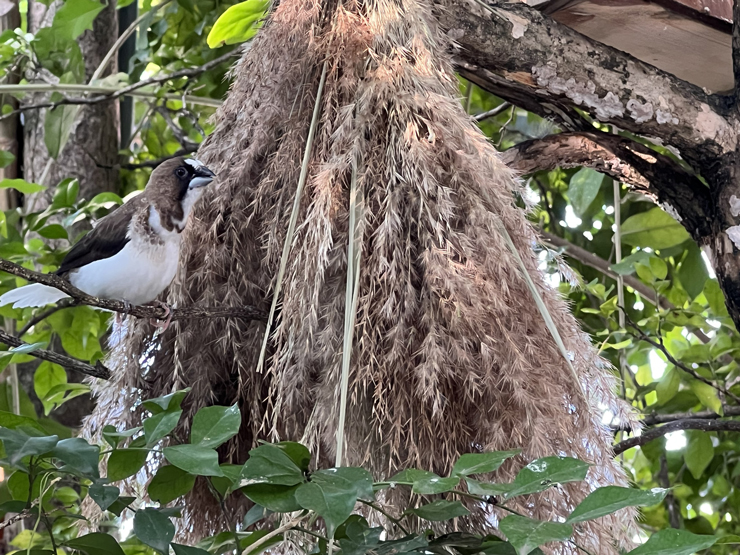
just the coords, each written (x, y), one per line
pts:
(176, 185)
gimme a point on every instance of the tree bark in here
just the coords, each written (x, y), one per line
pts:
(523, 56)
(91, 153)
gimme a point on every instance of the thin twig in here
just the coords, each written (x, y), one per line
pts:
(492, 113)
(597, 263)
(44, 314)
(142, 311)
(639, 334)
(689, 424)
(276, 532)
(154, 163)
(130, 30)
(97, 371)
(15, 518)
(130, 90)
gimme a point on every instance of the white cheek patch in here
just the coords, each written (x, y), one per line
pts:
(194, 163)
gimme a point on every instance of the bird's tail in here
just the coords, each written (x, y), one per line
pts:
(34, 294)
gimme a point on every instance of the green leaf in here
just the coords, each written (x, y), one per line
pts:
(279, 499)
(114, 437)
(46, 377)
(608, 499)
(668, 386)
(75, 17)
(170, 483)
(481, 463)
(708, 395)
(627, 265)
(13, 421)
(201, 461)
(21, 186)
(18, 444)
(298, 453)
(214, 425)
(526, 534)
(543, 473)
(332, 494)
(411, 475)
(693, 272)
(169, 402)
(154, 529)
(96, 543)
(58, 125)
(268, 464)
(699, 452)
(78, 455)
(655, 229)
(674, 542)
(125, 462)
(104, 496)
(434, 484)
(120, 504)
(583, 188)
(6, 158)
(440, 510)
(238, 23)
(484, 488)
(159, 425)
(53, 231)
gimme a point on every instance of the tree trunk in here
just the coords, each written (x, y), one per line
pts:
(91, 153)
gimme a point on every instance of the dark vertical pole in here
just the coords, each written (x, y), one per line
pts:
(126, 16)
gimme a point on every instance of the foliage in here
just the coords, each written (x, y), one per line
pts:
(50, 478)
(692, 337)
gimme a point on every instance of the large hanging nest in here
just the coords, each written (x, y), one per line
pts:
(451, 354)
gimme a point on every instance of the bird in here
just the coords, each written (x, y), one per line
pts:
(132, 254)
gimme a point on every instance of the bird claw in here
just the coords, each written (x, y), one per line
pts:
(162, 326)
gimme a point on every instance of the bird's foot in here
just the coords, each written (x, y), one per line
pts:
(162, 326)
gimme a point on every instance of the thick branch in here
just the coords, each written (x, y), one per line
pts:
(690, 424)
(525, 57)
(189, 312)
(97, 371)
(628, 161)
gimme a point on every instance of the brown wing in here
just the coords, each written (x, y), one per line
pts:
(106, 239)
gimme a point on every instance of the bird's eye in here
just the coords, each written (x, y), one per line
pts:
(181, 172)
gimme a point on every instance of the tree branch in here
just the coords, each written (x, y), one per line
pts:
(689, 424)
(521, 55)
(189, 312)
(652, 419)
(597, 263)
(639, 334)
(130, 89)
(97, 371)
(645, 170)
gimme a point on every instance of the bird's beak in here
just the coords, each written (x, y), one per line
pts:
(203, 176)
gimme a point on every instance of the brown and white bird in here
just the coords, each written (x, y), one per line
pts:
(131, 254)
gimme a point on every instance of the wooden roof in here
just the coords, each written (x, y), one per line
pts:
(690, 38)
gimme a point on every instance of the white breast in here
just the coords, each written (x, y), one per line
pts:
(139, 272)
